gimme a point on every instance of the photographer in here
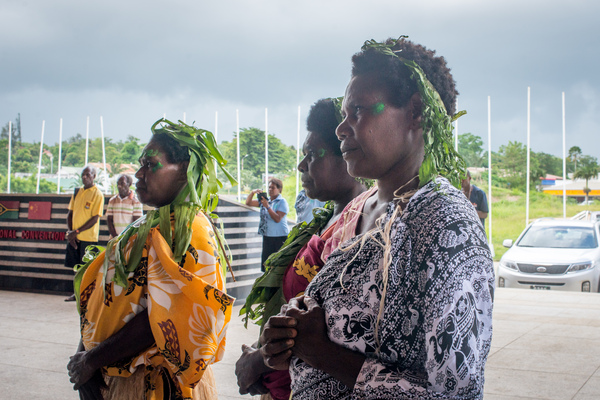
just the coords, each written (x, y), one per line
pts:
(273, 225)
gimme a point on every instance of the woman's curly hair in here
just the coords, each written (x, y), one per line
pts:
(395, 76)
(174, 152)
(322, 121)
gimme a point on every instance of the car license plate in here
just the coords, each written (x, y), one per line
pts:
(540, 287)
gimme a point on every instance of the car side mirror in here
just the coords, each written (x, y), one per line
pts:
(507, 243)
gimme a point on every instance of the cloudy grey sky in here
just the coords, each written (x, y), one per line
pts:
(133, 61)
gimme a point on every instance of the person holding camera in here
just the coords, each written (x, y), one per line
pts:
(273, 225)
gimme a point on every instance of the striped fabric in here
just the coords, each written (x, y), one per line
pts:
(124, 211)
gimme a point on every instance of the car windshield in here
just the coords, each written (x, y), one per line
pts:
(560, 237)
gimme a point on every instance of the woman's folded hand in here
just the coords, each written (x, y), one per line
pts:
(249, 369)
(277, 339)
(311, 343)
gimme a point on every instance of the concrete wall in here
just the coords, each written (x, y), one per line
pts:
(32, 252)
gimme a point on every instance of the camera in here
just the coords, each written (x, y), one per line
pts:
(260, 196)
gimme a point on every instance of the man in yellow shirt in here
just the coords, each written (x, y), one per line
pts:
(83, 219)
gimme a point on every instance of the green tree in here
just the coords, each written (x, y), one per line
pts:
(115, 168)
(588, 169)
(470, 147)
(549, 164)
(574, 155)
(513, 161)
(23, 160)
(27, 185)
(130, 150)
(15, 131)
(282, 158)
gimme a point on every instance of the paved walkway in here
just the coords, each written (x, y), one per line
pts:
(546, 346)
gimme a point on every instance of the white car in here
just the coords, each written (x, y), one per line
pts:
(553, 254)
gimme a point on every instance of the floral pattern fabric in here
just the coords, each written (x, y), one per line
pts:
(187, 305)
(436, 329)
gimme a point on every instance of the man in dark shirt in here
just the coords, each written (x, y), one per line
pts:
(477, 197)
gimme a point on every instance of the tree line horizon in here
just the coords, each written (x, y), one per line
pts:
(509, 162)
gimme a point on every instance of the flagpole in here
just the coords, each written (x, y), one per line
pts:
(216, 135)
(564, 132)
(37, 187)
(87, 138)
(456, 129)
(59, 156)
(528, 152)
(104, 155)
(490, 174)
(9, 154)
(239, 174)
(298, 155)
(184, 118)
(217, 127)
(266, 150)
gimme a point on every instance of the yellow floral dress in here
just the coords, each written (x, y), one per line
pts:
(187, 305)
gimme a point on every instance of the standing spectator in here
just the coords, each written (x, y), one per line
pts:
(477, 197)
(273, 225)
(304, 206)
(123, 208)
(83, 219)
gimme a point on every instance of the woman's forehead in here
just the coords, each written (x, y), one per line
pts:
(314, 141)
(365, 86)
(152, 150)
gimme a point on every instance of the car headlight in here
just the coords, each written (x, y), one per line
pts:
(509, 264)
(581, 266)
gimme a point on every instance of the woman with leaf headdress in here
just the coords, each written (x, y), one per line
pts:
(153, 306)
(403, 309)
(289, 271)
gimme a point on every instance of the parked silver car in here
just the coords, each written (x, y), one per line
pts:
(553, 254)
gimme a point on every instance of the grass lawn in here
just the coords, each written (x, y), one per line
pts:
(508, 210)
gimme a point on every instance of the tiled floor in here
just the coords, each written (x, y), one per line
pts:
(546, 346)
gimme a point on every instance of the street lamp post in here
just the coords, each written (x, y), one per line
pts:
(242, 161)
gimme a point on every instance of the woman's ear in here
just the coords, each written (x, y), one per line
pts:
(183, 167)
(416, 107)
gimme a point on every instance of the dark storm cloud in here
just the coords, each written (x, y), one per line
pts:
(133, 61)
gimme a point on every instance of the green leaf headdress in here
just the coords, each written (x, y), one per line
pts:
(440, 156)
(200, 194)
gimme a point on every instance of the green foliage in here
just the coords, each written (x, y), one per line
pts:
(470, 147)
(289, 193)
(588, 169)
(549, 164)
(15, 130)
(497, 181)
(513, 164)
(266, 297)
(26, 185)
(575, 154)
(282, 158)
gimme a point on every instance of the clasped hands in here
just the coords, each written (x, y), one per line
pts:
(299, 330)
(85, 377)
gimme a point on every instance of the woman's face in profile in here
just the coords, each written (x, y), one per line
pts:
(322, 171)
(159, 181)
(377, 137)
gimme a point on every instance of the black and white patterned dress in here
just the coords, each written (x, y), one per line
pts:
(436, 329)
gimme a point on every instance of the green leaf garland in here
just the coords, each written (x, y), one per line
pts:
(441, 158)
(200, 194)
